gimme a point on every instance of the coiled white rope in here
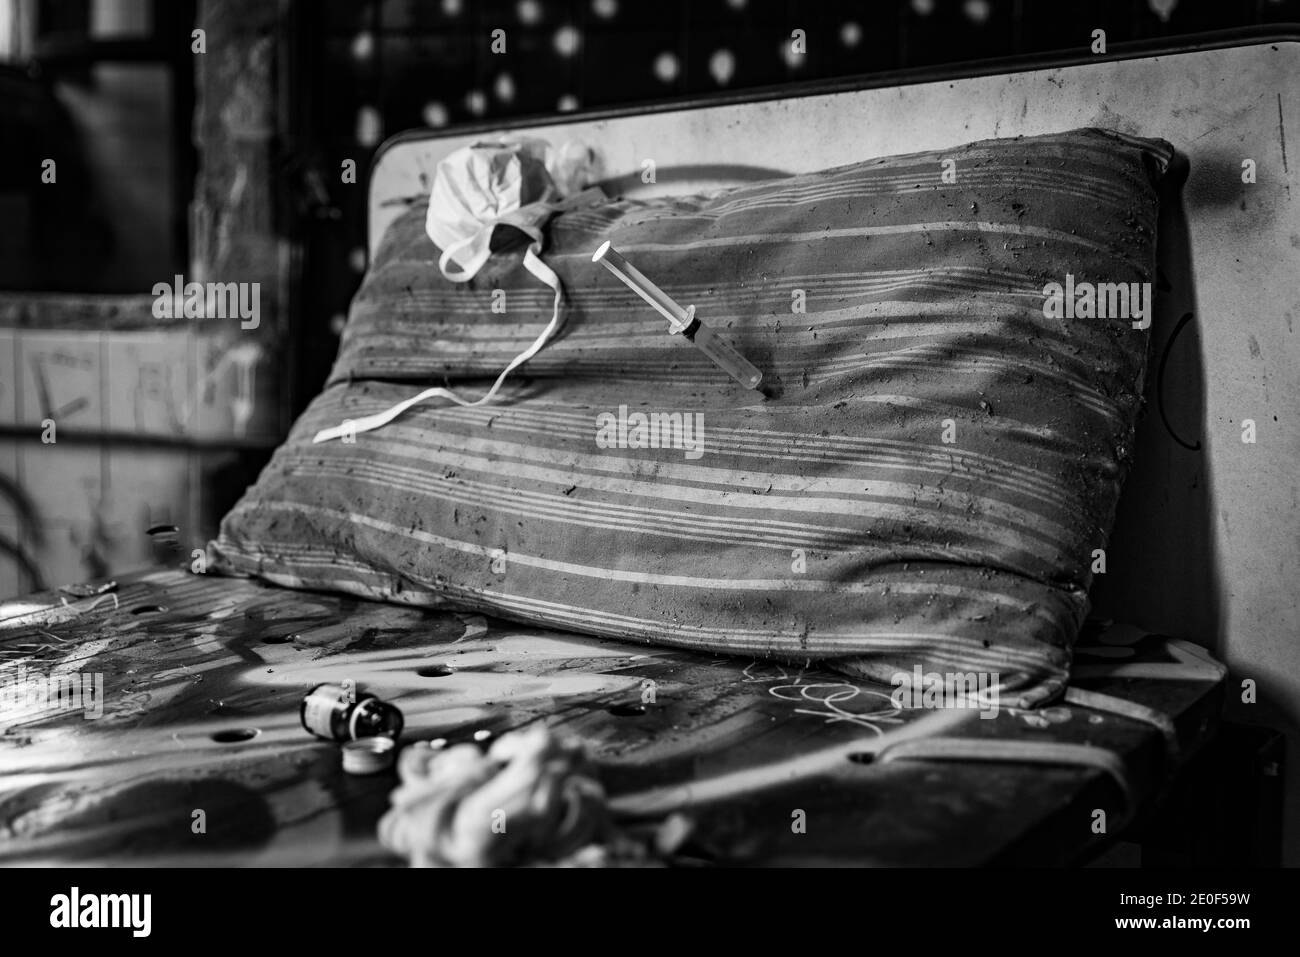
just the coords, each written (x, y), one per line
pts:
(531, 797)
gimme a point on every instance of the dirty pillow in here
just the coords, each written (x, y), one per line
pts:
(953, 367)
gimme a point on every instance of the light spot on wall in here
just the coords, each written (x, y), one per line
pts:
(793, 58)
(1162, 8)
(977, 11)
(722, 66)
(370, 127)
(529, 12)
(476, 102)
(567, 41)
(666, 67)
(363, 46)
(434, 114)
(504, 88)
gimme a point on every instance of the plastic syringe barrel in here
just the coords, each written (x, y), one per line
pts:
(724, 356)
(681, 320)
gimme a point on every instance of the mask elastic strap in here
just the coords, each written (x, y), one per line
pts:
(467, 272)
(370, 422)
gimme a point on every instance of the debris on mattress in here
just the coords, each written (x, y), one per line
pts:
(339, 712)
(371, 755)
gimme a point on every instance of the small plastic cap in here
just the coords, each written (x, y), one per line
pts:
(604, 247)
(368, 755)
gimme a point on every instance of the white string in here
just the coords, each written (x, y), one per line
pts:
(350, 427)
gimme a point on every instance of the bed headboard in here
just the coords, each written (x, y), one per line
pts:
(1208, 537)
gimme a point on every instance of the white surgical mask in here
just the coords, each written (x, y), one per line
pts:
(480, 187)
(476, 189)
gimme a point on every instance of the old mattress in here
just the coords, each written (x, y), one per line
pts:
(183, 746)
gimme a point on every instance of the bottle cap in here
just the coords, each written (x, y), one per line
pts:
(368, 755)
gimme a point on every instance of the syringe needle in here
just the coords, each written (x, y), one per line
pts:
(680, 320)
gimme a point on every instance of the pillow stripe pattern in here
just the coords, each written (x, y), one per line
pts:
(924, 483)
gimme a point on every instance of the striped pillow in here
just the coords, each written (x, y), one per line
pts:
(940, 451)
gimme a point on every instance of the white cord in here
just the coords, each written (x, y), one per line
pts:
(370, 422)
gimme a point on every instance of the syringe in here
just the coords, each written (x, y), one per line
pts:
(679, 319)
